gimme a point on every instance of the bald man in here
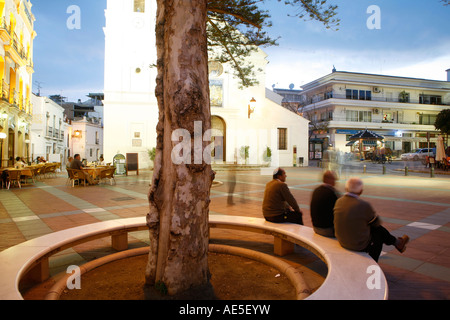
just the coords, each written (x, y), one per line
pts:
(357, 226)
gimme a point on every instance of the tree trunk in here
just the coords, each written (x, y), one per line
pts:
(180, 193)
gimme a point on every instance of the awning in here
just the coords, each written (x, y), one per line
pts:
(351, 143)
(366, 135)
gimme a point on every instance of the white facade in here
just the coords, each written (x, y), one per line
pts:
(49, 131)
(86, 139)
(403, 110)
(130, 106)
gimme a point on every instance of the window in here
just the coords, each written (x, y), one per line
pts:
(429, 99)
(358, 94)
(139, 5)
(427, 119)
(282, 139)
(351, 115)
(365, 116)
(358, 116)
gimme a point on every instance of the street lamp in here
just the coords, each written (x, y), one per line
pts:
(251, 107)
(2, 137)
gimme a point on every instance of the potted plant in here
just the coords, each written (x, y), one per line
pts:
(151, 155)
(267, 155)
(244, 152)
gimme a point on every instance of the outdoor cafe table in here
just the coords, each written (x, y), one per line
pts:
(24, 172)
(94, 172)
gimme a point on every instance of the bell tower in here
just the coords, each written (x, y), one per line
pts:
(130, 104)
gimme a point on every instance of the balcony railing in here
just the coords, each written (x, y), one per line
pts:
(377, 121)
(375, 98)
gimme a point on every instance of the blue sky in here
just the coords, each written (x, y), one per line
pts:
(414, 41)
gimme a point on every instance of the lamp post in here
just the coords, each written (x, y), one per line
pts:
(2, 137)
(27, 143)
(251, 107)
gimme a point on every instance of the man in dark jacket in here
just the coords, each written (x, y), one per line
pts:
(279, 205)
(322, 204)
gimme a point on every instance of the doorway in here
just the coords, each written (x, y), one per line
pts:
(219, 133)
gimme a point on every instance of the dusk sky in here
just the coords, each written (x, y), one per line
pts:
(413, 40)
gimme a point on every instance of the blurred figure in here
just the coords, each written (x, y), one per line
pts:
(323, 200)
(231, 186)
(19, 163)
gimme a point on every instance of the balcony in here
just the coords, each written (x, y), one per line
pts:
(5, 91)
(343, 122)
(16, 52)
(421, 100)
(5, 31)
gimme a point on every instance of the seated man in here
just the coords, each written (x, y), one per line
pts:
(279, 205)
(322, 204)
(357, 226)
(77, 165)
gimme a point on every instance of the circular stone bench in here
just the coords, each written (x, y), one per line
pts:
(349, 275)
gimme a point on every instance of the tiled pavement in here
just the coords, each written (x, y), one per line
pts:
(416, 205)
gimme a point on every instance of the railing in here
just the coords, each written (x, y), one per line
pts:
(5, 91)
(344, 119)
(49, 132)
(4, 25)
(375, 98)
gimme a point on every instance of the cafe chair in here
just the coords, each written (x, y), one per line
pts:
(14, 178)
(76, 175)
(108, 174)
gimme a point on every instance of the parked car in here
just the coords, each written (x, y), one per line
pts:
(418, 154)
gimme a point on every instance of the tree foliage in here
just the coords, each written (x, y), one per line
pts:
(236, 28)
(442, 122)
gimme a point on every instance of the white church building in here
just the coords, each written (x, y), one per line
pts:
(251, 117)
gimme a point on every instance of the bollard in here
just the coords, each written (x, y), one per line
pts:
(364, 170)
(384, 169)
(432, 172)
(406, 171)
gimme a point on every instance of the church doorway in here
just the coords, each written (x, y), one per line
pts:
(219, 133)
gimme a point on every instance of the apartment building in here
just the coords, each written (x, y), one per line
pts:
(50, 131)
(16, 70)
(403, 110)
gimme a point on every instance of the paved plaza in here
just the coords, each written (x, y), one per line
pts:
(417, 205)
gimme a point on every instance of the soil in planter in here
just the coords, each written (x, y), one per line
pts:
(233, 278)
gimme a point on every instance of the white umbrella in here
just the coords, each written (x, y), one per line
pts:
(440, 150)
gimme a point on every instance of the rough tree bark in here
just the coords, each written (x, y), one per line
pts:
(180, 193)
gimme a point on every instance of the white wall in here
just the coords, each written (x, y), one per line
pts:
(130, 106)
